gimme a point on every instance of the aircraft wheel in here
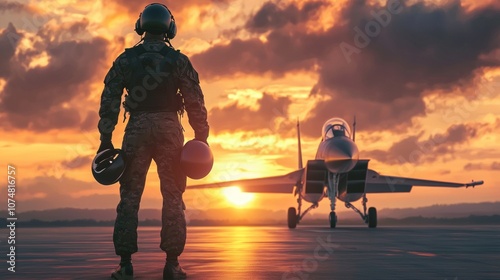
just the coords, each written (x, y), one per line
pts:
(372, 217)
(292, 217)
(333, 220)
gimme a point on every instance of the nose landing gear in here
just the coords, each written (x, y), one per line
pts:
(333, 220)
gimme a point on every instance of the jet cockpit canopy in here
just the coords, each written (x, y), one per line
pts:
(336, 127)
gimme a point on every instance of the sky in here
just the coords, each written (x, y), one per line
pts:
(421, 77)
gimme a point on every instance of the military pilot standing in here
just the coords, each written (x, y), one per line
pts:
(160, 83)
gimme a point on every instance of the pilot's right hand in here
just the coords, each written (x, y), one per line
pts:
(201, 137)
(105, 145)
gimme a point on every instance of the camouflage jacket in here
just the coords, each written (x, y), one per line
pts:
(187, 81)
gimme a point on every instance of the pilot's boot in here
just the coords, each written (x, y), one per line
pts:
(123, 271)
(173, 272)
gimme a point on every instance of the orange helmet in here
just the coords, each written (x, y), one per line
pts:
(196, 159)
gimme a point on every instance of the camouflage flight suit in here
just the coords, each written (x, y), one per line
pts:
(152, 136)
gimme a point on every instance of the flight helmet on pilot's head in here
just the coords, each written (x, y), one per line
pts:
(156, 19)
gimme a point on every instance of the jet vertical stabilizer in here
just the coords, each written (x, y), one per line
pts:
(300, 146)
(354, 130)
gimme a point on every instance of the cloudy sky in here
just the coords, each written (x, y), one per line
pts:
(422, 78)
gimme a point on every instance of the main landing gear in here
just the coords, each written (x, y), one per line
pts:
(369, 218)
(294, 217)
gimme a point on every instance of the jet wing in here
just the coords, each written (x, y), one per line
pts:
(276, 184)
(376, 183)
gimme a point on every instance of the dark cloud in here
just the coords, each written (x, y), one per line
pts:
(270, 16)
(288, 48)
(9, 39)
(445, 172)
(14, 7)
(61, 118)
(370, 115)
(413, 149)
(415, 48)
(482, 166)
(238, 118)
(474, 166)
(136, 7)
(281, 54)
(38, 98)
(495, 166)
(78, 162)
(421, 48)
(90, 120)
(71, 64)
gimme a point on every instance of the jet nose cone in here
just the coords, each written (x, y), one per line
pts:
(341, 155)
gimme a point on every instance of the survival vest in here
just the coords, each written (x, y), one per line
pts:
(152, 86)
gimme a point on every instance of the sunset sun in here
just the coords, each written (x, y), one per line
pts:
(236, 197)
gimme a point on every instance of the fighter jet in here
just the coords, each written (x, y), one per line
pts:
(336, 173)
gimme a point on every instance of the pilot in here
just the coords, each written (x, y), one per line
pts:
(160, 84)
(338, 130)
(334, 130)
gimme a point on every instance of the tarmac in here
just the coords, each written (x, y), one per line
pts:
(307, 252)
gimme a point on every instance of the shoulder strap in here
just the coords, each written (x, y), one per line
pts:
(133, 54)
(170, 56)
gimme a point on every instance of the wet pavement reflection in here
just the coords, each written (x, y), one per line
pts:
(471, 252)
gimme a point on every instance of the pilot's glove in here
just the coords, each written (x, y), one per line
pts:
(202, 140)
(201, 136)
(105, 145)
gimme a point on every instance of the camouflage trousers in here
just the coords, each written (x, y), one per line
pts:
(152, 136)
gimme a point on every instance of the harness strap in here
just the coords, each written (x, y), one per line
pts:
(169, 60)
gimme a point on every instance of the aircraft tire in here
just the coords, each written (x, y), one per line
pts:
(292, 217)
(372, 217)
(333, 219)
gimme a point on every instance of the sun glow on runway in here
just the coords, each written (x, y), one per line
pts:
(236, 197)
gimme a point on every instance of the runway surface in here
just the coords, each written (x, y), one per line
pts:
(458, 253)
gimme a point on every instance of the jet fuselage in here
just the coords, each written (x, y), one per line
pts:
(339, 154)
